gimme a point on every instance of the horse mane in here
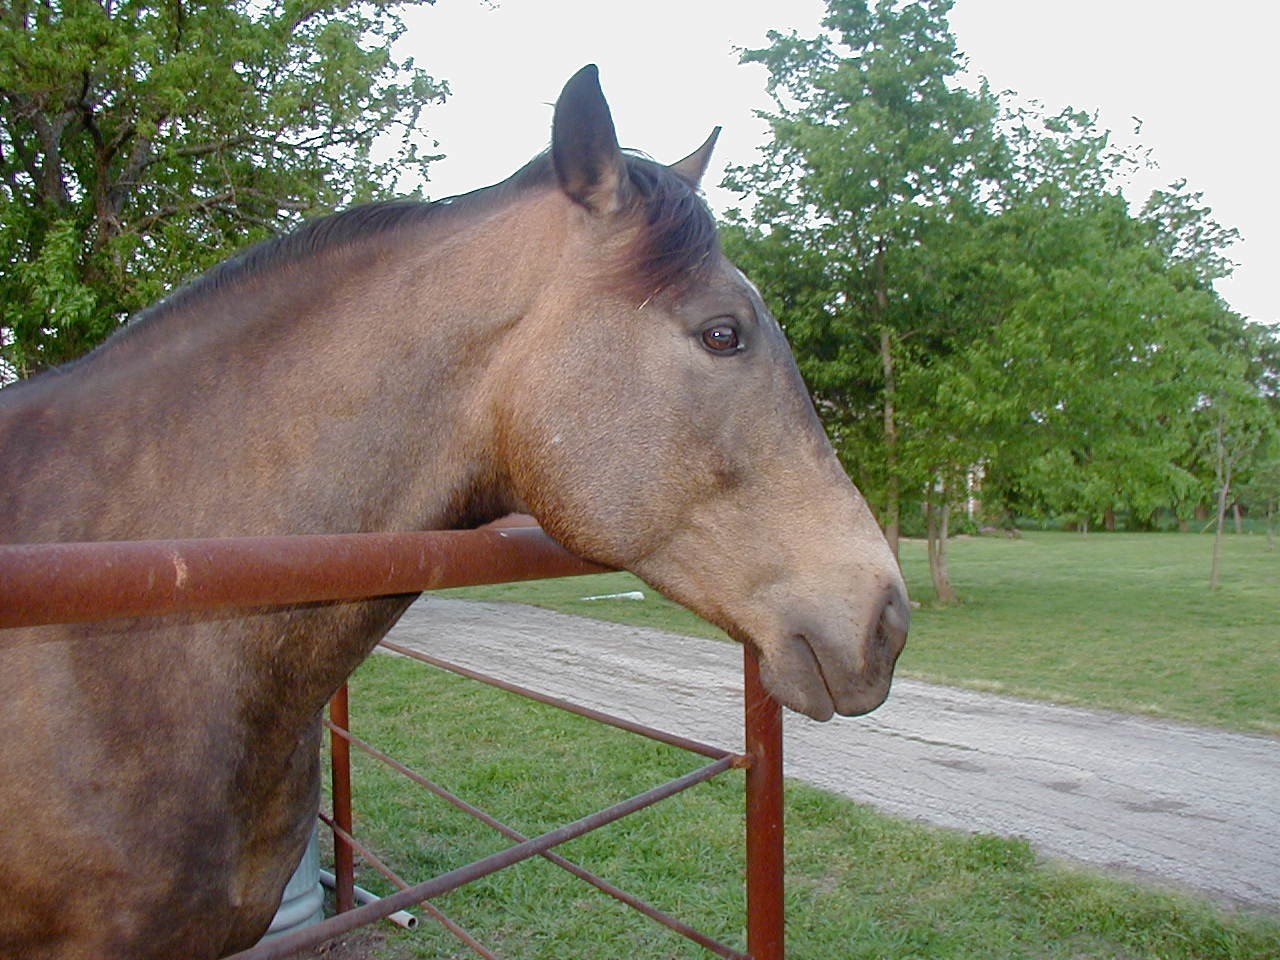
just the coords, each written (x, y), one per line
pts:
(675, 239)
(313, 238)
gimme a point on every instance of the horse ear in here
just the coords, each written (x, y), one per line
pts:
(694, 166)
(584, 145)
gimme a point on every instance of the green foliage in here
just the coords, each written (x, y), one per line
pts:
(141, 142)
(1188, 236)
(968, 292)
(1260, 490)
(875, 149)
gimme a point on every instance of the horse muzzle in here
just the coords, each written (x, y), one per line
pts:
(825, 664)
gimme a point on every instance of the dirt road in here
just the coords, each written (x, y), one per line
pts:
(1187, 806)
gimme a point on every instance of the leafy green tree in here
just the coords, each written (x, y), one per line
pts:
(1260, 480)
(141, 141)
(1239, 421)
(968, 291)
(874, 145)
(1239, 426)
(1093, 334)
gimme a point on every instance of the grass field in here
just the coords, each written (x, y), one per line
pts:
(861, 886)
(1120, 621)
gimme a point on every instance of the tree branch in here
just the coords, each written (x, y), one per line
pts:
(25, 156)
(202, 149)
(53, 188)
(227, 200)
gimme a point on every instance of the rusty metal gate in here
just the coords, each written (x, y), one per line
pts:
(65, 583)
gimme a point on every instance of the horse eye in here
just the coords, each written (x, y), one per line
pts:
(720, 339)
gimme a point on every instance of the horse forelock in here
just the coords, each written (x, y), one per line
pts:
(677, 236)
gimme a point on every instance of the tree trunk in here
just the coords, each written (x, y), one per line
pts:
(1222, 467)
(1271, 525)
(936, 522)
(1109, 519)
(1235, 513)
(1214, 564)
(892, 519)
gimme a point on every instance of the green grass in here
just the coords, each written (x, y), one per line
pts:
(1123, 621)
(861, 886)
(1117, 621)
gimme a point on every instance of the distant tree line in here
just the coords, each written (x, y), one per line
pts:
(976, 307)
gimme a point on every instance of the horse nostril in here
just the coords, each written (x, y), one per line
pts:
(895, 621)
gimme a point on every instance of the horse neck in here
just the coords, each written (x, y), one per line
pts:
(350, 393)
(347, 392)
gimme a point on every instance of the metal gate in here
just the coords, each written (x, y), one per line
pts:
(63, 583)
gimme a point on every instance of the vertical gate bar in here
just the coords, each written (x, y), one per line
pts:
(765, 879)
(344, 861)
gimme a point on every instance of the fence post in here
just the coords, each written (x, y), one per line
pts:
(765, 879)
(344, 864)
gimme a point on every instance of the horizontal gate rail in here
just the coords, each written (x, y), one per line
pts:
(631, 726)
(47, 583)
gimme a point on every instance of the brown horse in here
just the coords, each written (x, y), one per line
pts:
(571, 342)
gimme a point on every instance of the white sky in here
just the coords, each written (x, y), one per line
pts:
(1203, 78)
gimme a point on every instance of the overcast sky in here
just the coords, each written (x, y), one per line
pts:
(1202, 77)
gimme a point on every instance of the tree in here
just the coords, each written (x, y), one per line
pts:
(1090, 332)
(140, 142)
(1239, 415)
(1240, 423)
(874, 145)
(968, 291)
(1260, 485)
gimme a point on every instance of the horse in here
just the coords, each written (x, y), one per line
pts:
(571, 343)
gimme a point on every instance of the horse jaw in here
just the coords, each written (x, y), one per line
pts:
(827, 632)
(819, 665)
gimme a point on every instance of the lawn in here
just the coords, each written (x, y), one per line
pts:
(1124, 621)
(1118, 621)
(861, 886)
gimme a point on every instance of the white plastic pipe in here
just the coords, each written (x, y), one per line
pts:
(401, 918)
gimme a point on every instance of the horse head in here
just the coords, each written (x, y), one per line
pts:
(651, 417)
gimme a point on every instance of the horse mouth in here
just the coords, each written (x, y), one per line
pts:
(822, 674)
(859, 693)
(798, 679)
(813, 674)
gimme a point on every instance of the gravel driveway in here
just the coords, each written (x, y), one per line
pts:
(1187, 806)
